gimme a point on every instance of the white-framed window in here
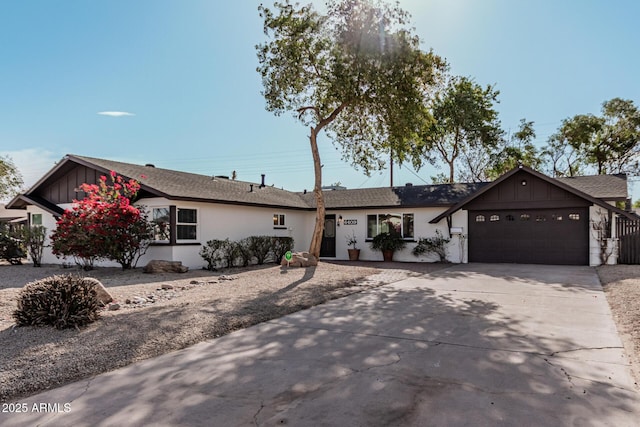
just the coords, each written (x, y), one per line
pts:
(161, 224)
(36, 219)
(279, 220)
(401, 223)
(187, 224)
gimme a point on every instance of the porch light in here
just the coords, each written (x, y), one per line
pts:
(340, 220)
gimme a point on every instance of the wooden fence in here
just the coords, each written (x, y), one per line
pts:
(628, 231)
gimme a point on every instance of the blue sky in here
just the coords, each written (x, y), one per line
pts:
(185, 70)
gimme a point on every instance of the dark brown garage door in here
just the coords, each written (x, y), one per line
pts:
(534, 236)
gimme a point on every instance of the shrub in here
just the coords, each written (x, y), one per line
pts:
(73, 238)
(388, 242)
(104, 225)
(260, 247)
(33, 238)
(10, 248)
(435, 245)
(60, 301)
(280, 246)
(217, 253)
(241, 250)
(225, 253)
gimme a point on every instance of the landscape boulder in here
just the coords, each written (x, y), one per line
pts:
(104, 297)
(300, 259)
(161, 266)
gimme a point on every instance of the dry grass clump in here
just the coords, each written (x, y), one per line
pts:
(63, 301)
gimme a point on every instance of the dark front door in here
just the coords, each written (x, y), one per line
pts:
(530, 236)
(328, 247)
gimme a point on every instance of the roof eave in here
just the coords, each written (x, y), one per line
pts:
(53, 209)
(537, 174)
(233, 202)
(472, 196)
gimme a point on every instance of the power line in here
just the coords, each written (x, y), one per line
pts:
(416, 175)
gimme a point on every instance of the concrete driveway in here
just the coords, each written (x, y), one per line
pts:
(472, 345)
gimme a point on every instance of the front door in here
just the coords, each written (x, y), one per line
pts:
(328, 247)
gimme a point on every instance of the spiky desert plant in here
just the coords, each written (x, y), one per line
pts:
(62, 301)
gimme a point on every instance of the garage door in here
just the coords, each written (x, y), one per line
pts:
(534, 236)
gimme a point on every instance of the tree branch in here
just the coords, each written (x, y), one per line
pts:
(331, 116)
(303, 110)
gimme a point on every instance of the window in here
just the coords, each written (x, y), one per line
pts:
(494, 218)
(510, 217)
(278, 221)
(36, 219)
(574, 216)
(187, 224)
(390, 223)
(524, 217)
(541, 218)
(479, 218)
(407, 225)
(161, 223)
(555, 217)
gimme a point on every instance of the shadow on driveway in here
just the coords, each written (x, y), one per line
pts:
(464, 346)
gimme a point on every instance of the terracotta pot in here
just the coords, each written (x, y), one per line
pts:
(387, 255)
(354, 254)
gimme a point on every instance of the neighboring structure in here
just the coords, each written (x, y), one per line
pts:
(12, 218)
(524, 216)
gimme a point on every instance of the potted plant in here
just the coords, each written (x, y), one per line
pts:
(388, 243)
(354, 253)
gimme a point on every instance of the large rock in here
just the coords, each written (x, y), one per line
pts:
(104, 297)
(300, 259)
(161, 266)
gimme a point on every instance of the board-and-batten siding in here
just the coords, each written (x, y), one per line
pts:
(537, 194)
(65, 188)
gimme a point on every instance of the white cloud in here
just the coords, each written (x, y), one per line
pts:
(115, 113)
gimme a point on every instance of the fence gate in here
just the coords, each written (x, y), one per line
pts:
(628, 231)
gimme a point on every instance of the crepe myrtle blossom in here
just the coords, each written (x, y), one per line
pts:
(104, 224)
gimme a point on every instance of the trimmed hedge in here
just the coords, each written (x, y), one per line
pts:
(226, 253)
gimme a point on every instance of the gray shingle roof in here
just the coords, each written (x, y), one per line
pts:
(184, 185)
(410, 196)
(605, 187)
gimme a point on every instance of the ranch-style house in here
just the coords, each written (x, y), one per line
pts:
(522, 217)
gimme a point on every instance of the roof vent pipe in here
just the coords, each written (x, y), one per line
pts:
(150, 165)
(262, 182)
(250, 188)
(409, 184)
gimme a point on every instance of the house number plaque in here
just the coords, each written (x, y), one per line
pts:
(350, 222)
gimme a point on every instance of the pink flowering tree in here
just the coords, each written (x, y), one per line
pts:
(104, 225)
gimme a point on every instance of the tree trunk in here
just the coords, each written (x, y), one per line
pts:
(316, 238)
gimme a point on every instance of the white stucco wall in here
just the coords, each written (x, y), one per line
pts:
(215, 221)
(422, 229)
(49, 222)
(235, 222)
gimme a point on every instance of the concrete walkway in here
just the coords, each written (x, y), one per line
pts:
(472, 345)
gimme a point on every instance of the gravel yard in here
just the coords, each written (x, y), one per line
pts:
(195, 306)
(622, 286)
